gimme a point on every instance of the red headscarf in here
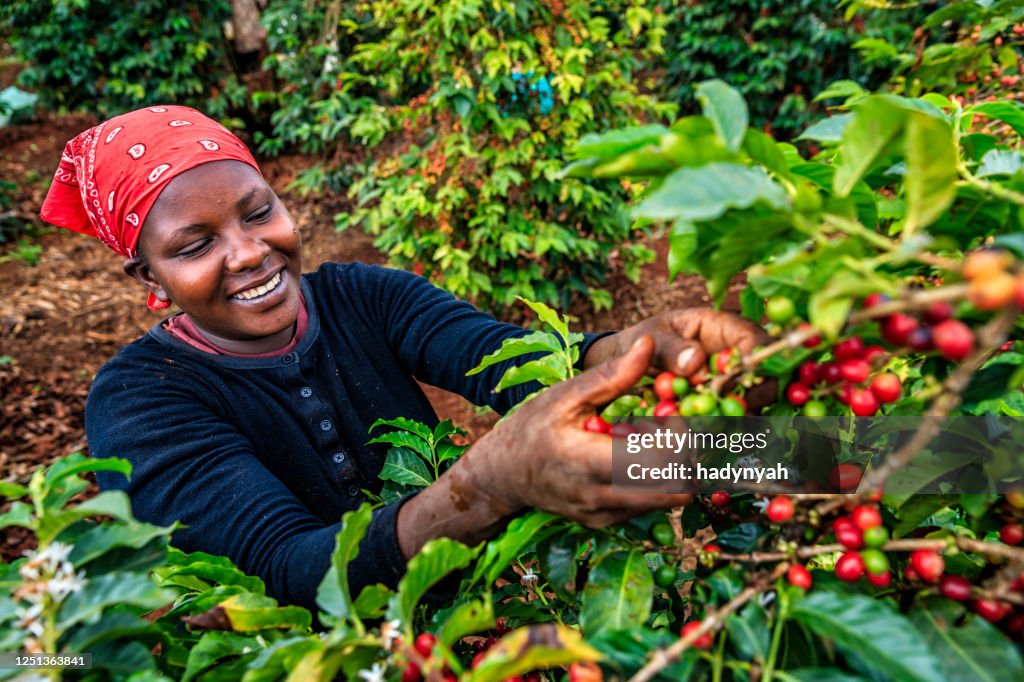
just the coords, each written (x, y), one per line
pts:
(111, 175)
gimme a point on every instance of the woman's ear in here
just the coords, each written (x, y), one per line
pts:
(136, 268)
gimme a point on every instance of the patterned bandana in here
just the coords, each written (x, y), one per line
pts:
(111, 174)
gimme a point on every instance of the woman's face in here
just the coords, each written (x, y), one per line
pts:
(221, 245)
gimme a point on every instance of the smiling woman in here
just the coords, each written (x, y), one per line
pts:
(245, 416)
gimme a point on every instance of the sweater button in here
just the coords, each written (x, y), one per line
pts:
(326, 425)
(288, 359)
(305, 391)
(338, 457)
(353, 490)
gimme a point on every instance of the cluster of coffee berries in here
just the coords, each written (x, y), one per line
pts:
(863, 535)
(424, 646)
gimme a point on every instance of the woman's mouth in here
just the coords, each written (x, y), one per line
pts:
(261, 290)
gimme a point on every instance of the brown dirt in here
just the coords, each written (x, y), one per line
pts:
(62, 319)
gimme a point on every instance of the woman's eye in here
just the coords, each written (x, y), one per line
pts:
(194, 249)
(261, 215)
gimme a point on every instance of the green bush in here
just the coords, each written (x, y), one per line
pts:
(778, 54)
(468, 106)
(110, 57)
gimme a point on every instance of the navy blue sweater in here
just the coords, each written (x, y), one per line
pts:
(261, 457)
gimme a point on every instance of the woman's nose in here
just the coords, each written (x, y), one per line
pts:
(246, 252)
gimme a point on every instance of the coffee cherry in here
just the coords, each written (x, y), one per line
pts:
(990, 610)
(954, 587)
(1015, 624)
(812, 342)
(723, 359)
(850, 567)
(871, 300)
(595, 424)
(809, 373)
(1018, 296)
(798, 394)
(863, 403)
(865, 516)
(887, 388)
(425, 643)
(585, 671)
(680, 386)
(880, 580)
(985, 263)
(666, 408)
(849, 349)
(412, 673)
(720, 498)
(704, 641)
(897, 327)
(845, 394)
(939, 311)
(1012, 533)
(876, 537)
(663, 386)
(849, 536)
(663, 534)
(875, 561)
(954, 339)
(733, 406)
(993, 291)
(815, 408)
(780, 509)
(872, 352)
(830, 373)
(799, 576)
(501, 625)
(909, 573)
(665, 575)
(704, 403)
(844, 477)
(921, 340)
(780, 309)
(928, 564)
(855, 370)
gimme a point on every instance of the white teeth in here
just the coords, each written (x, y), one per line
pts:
(260, 290)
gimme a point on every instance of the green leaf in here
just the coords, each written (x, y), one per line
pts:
(618, 593)
(277, 660)
(438, 558)
(818, 675)
(558, 564)
(530, 648)
(80, 464)
(876, 125)
(1000, 162)
(214, 646)
(118, 588)
(535, 342)
(1010, 113)
(605, 146)
(421, 430)
(333, 595)
(372, 601)
(106, 536)
(110, 503)
(872, 634)
(20, 514)
(929, 186)
(548, 317)
(217, 573)
(916, 509)
(406, 467)
(705, 193)
(403, 440)
(748, 631)
(626, 651)
(503, 549)
(727, 111)
(973, 651)
(447, 451)
(827, 130)
(249, 612)
(544, 371)
(765, 151)
(12, 491)
(111, 626)
(473, 616)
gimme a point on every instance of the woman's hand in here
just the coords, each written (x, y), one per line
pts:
(539, 457)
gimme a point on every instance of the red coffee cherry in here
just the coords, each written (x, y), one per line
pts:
(866, 516)
(666, 408)
(663, 386)
(595, 424)
(855, 370)
(704, 641)
(849, 349)
(799, 576)
(780, 509)
(880, 580)
(850, 567)
(798, 394)
(412, 673)
(897, 327)
(990, 610)
(585, 671)
(928, 564)
(849, 536)
(938, 312)
(812, 342)
(954, 587)
(720, 498)
(887, 388)
(1012, 533)
(722, 360)
(425, 643)
(830, 373)
(871, 300)
(844, 477)
(809, 373)
(921, 339)
(954, 339)
(872, 352)
(863, 403)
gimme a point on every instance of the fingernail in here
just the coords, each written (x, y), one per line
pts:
(636, 344)
(684, 358)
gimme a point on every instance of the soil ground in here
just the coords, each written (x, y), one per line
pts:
(62, 319)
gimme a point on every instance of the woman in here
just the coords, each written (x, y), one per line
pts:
(245, 416)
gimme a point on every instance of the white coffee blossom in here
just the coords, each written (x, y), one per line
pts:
(391, 630)
(529, 577)
(374, 674)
